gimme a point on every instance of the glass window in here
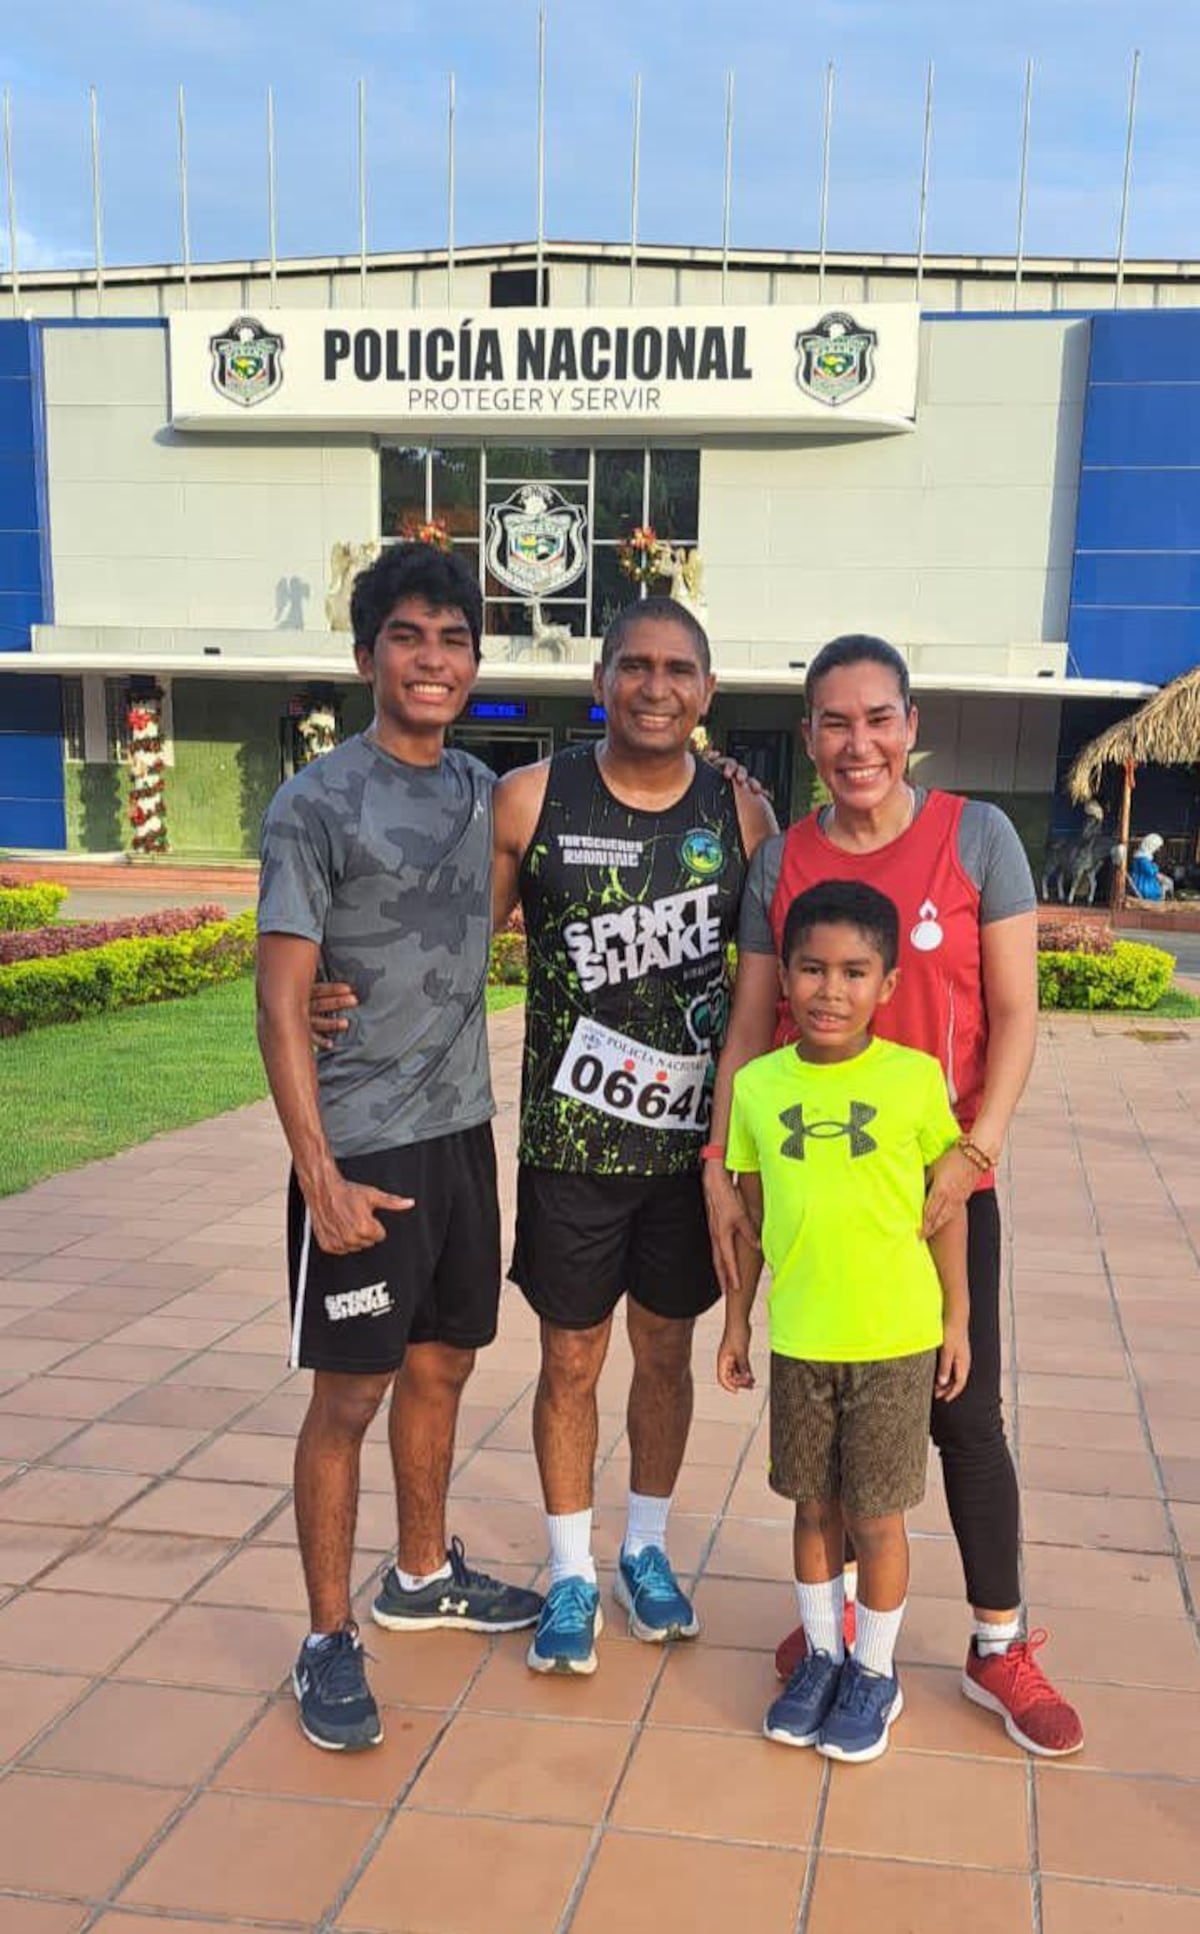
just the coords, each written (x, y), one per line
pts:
(72, 717)
(403, 489)
(675, 494)
(620, 484)
(539, 463)
(456, 490)
(116, 700)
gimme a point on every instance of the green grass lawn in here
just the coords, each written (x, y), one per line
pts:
(74, 1093)
(1176, 1005)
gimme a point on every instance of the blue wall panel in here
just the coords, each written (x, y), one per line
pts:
(1135, 593)
(31, 756)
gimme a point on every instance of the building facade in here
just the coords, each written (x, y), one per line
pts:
(1013, 498)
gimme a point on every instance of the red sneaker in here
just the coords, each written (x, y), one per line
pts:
(1013, 1684)
(792, 1649)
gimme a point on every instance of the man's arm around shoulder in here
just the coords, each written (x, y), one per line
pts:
(516, 808)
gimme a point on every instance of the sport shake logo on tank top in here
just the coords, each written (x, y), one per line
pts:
(628, 917)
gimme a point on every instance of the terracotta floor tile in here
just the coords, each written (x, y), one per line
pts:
(1089, 1473)
(65, 1497)
(223, 1370)
(23, 1439)
(1096, 1523)
(509, 1877)
(512, 1475)
(179, 1407)
(24, 1356)
(1101, 1827)
(919, 1806)
(718, 1689)
(904, 1898)
(80, 1398)
(1119, 1648)
(127, 1447)
(720, 1788)
(161, 1734)
(29, 1701)
(265, 1575)
(67, 1325)
(254, 1858)
(744, 1612)
(239, 1457)
(644, 1883)
(114, 1362)
(428, 1668)
(137, 1564)
(200, 1509)
(1073, 1907)
(617, 1691)
(1080, 1429)
(1136, 1582)
(167, 1331)
(1134, 1730)
(277, 1758)
(1182, 1478)
(27, 1549)
(279, 1415)
(937, 1718)
(744, 1549)
(500, 1536)
(1115, 1396)
(118, 1922)
(26, 1916)
(566, 1772)
(1186, 1519)
(72, 1632)
(213, 1645)
(74, 1836)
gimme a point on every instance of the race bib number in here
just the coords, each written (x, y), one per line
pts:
(635, 1083)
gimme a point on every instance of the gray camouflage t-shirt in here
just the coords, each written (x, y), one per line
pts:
(388, 868)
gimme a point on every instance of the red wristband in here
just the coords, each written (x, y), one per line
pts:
(713, 1152)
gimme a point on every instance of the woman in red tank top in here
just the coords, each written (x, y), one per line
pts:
(968, 995)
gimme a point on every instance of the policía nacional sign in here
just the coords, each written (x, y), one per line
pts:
(771, 369)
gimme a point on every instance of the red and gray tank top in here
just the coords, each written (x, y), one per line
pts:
(628, 919)
(938, 1005)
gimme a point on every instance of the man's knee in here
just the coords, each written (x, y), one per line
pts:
(345, 1406)
(572, 1361)
(661, 1345)
(433, 1369)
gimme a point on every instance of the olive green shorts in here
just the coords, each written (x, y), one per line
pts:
(857, 1432)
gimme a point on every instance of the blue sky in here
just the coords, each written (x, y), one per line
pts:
(136, 52)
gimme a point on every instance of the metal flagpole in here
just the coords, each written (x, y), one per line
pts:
(635, 176)
(924, 201)
(541, 149)
(362, 193)
(271, 188)
(97, 219)
(825, 179)
(1019, 256)
(11, 194)
(184, 224)
(450, 109)
(728, 200)
(1133, 81)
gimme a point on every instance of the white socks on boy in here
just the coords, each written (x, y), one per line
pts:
(821, 1616)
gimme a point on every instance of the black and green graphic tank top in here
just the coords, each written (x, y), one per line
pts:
(628, 919)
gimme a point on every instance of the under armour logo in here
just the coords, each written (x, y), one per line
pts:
(457, 1605)
(861, 1143)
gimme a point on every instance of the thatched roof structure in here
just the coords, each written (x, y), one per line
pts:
(1165, 731)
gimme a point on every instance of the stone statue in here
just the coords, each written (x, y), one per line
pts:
(345, 563)
(685, 570)
(546, 643)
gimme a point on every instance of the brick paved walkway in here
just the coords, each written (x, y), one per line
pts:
(151, 1602)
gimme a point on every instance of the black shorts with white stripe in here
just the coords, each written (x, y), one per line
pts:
(435, 1277)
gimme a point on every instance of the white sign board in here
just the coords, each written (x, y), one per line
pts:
(770, 370)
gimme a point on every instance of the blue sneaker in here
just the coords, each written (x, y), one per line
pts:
(861, 1715)
(797, 1716)
(565, 1640)
(337, 1710)
(649, 1590)
(467, 1599)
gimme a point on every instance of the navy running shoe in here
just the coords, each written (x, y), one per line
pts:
(565, 1640)
(649, 1591)
(469, 1600)
(797, 1716)
(861, 1715)
(337, 1711)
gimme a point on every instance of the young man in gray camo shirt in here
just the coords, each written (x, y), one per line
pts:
(377, 871)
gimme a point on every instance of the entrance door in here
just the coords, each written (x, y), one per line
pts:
(501, 749)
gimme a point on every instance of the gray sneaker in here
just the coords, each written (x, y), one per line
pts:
(468, 1600)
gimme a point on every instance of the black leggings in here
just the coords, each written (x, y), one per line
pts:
(977, 1468)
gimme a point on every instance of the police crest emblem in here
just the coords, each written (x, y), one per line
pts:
(247, 362)
(835, 361)
(535, 540)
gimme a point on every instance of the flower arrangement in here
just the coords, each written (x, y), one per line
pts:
(147, 803)
(640, 554)
(422, 530)
(318, 731)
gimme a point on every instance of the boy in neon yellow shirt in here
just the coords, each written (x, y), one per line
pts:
(832, 1139)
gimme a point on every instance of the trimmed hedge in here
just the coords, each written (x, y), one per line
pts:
(508, 961)
(23, 907)
(1130, 976)
(73, 936)
(123, 973)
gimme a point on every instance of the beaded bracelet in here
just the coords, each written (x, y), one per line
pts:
(978, 1157)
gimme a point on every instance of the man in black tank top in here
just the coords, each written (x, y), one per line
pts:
(629, 859)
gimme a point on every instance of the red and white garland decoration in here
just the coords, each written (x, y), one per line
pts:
(147, 807)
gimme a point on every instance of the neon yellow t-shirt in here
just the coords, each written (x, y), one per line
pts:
(842, 1150)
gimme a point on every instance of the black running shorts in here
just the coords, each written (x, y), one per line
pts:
(584, 1240)
(435, 1277)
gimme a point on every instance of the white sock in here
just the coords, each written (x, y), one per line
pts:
(571, 1547)
(646, 1523)
(318, 1638)
(875, 1639)
(990, 1639)
(821, 1616)
(413, 1581)
(850, 1580)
